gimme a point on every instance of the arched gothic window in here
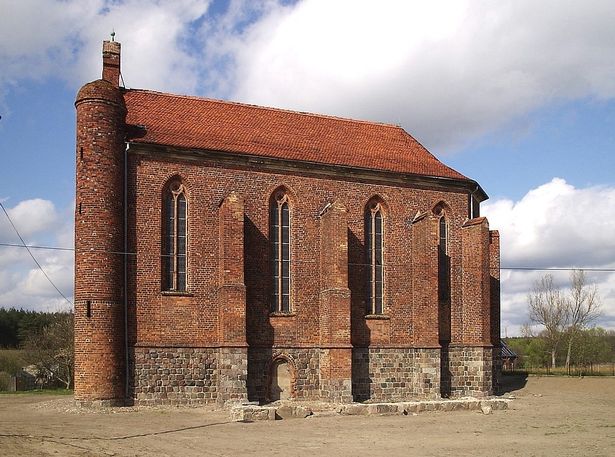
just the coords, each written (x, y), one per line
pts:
(444, 262)
(374, 244)
(280, 249)
(175, 227)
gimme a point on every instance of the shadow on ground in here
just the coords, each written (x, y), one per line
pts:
(512, 382)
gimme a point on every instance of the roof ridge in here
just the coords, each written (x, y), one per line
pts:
(188, 121)
(271, 108)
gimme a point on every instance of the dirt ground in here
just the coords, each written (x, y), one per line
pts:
(549, 417)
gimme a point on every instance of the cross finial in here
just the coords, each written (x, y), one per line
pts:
(113, 35)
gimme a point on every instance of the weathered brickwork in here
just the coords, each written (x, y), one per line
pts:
(99, 284)
(336, 375)
(386, 374)
(218, 340)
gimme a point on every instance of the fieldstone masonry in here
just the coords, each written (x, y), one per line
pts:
(232, 375)
(471, 371)
(175, 376)
(389, 374)
(304, 365)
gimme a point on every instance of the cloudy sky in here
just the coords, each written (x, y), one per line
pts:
(519, 95)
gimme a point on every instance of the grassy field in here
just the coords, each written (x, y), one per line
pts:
(39, 392)
(604, 369)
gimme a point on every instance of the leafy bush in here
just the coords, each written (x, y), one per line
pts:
(11, 361)
(5, 380)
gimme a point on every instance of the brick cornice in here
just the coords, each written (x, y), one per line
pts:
(338, 172)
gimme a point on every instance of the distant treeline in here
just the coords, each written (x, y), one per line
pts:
(592, 346)
(16, 325)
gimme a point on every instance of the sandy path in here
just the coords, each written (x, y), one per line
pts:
(549, 417)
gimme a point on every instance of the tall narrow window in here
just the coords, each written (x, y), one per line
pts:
(280, 246)
(374, 224)
(444, 263)
(174, 243)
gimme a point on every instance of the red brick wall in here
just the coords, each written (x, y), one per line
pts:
(476, 283)
(424, 277)
(227, 303)
(99, 337)
(193, 319)
(494, 272)
(232, 291)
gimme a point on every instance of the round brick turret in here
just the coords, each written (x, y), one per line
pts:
(99, 242)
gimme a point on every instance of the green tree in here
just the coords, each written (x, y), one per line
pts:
(537, 353)
(592, 346)
(532, 351)
(9, 325)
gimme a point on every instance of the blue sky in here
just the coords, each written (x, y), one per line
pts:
(574, 140)
(517, 95)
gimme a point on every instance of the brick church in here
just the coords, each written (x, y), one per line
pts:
(232, 252)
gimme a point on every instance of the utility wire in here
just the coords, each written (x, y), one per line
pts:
(23, 244)
(387, 264)
(32, 246)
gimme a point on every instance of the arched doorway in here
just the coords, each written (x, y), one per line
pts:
(280, 380)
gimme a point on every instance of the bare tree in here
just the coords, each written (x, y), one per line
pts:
(548, 308)
(582, 308)
(51, 349)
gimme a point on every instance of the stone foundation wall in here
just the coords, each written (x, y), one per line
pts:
(395, 374)
(232, 375)
(445, 372)
(471, 370)
(336, 390)
(195, 376)
(174, 376)
(496, 369)
(335, 375)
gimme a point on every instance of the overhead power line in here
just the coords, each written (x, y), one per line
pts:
(24, 245)
(32, 246)
(58, 248)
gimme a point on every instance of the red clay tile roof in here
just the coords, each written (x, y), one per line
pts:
(200, 123)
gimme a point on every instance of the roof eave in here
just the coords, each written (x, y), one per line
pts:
(315, 168)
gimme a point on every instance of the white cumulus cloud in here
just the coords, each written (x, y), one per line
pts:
(555, 226)
(63, 39)
(447, 71)
(22, 283)
(30, 217)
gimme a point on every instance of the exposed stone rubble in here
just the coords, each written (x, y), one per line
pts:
(291, 410)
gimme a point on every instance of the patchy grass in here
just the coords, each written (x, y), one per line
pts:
(40, 392)
(605, 369)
